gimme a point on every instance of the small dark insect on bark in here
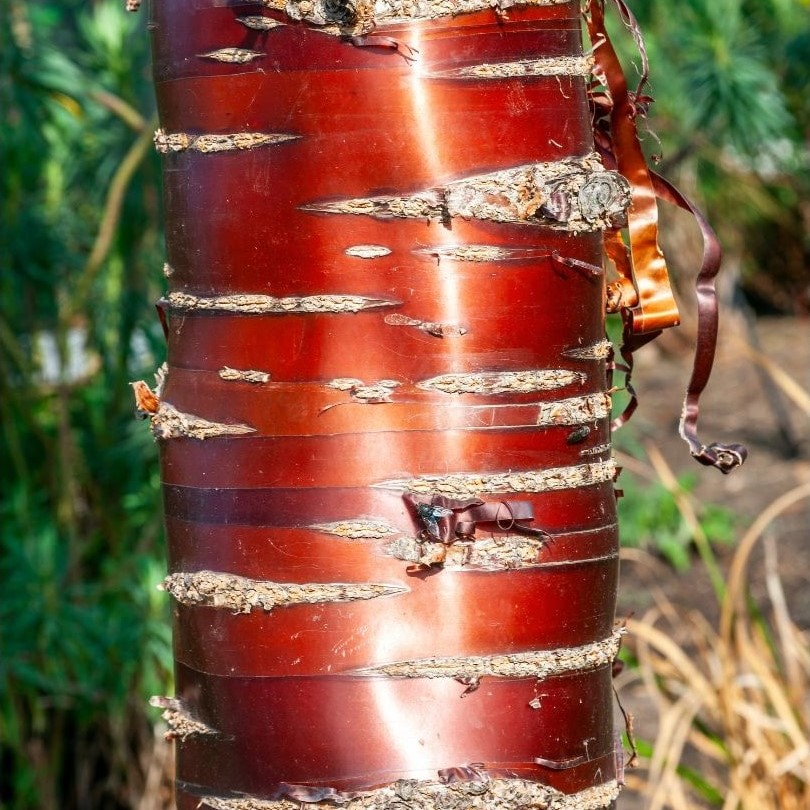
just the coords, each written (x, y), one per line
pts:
(342, 12)
(578, 435)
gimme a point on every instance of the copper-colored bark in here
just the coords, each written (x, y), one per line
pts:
(316, 411)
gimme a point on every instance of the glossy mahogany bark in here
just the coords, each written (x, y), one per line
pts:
(279, 438)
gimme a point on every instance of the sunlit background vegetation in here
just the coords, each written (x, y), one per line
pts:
(84, 638)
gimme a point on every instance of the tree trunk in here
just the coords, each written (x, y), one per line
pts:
(385, 428)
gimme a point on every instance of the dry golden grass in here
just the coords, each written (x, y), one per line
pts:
(732, 696)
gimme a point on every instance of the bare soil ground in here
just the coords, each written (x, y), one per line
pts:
(738, 406)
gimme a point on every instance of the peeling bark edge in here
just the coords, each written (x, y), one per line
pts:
(467, 485)
(539, 664)
(596, 351)
(182, 724)
(481, 794)
(575, 195)
(242, 595)
(169, 423)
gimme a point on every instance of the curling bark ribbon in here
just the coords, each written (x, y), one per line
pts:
(642, 292)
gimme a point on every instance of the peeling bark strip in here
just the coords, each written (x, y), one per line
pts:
(411, 794)
(468, 485)
(574, 411)
(234, 56)
(360, 529)
(248, 375)
(169, 423)
(242, 595)
(503, 382)
(539, 664)
(266, 304)
(576, 195)
(552, 66)
(597, 351)
(505, 552)
(166, 142)
(182, 724)
(364, 15)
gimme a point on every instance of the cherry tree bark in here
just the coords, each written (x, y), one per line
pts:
(384, 428)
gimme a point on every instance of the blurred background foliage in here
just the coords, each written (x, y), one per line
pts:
(84, 636)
